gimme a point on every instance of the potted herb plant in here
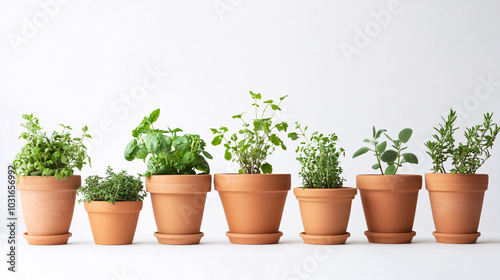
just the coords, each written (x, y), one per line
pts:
(178, 193)
(46, 181)
(113, 204)
(457, 197)
(389, 200)
(325, 204)
(253, 199)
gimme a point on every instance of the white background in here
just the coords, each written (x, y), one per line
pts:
(81, 65)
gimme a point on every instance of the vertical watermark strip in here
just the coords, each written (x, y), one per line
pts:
(11, 220)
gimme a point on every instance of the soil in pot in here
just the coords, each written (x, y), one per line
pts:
(389, 204)
(253, 205)
(178, 205)
(48, 206)
(325, 214)
(456, 202)
(113, 224)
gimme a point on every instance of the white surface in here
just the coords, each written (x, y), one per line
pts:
(86, 62)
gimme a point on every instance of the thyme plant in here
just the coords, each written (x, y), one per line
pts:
(112, 188)
(319, 159)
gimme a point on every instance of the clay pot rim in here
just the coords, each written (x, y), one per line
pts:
(48, 183)
(325, 194)
(457, 175)
(397, 175)
(446, 182)
(252, 182)
(179, 184)
(398, 182)
(119, 206)
(243, 174)
(180, 175)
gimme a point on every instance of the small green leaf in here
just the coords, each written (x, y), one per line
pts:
(153, 143)
(142, 152)
(258, 125)
(380, 133)
(411, 158)
(227, 155)
(293, 135)
(376, 166)
(267, 168)
(130, 150)
(154, 115)
(188, 158)
(274, 139)
(405, 135)
(389, 156)
(390, 170)
(217, 140)
(207, 155)
(275, 107)
(361, 151)
(367, 141)
(381, 147)
(181, 143)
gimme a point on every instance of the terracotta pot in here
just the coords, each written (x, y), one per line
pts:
(325, 214)
(48, 206)
(456, 202)
(253, 204)
(178, 205)
(113, 224)
(389, 203)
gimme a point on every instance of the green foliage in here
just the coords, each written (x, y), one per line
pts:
(57, 155)
(114, 187)
(166, 152)
(319, 158)
(256, 140)
(394, 158)
(466, 158)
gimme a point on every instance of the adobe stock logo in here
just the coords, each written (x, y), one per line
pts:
(32, 26)
(363, 37)
(225, 6)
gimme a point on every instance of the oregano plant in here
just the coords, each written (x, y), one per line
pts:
(112, 188)
(394, 158)
(319, 159)
(256, 140)
(167, 152)
(58, 155)
(468, 157)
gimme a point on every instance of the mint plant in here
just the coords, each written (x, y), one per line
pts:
(112, 188)
(319, 159)
(166, 152)
(394, 158)
(256, 140)
(57, 155)
(466, 158)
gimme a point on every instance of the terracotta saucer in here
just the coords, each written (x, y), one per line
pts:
(254, 239)
(179, 239)
(325, 239)
(57, 239)
(390, 238)
(456, 238)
